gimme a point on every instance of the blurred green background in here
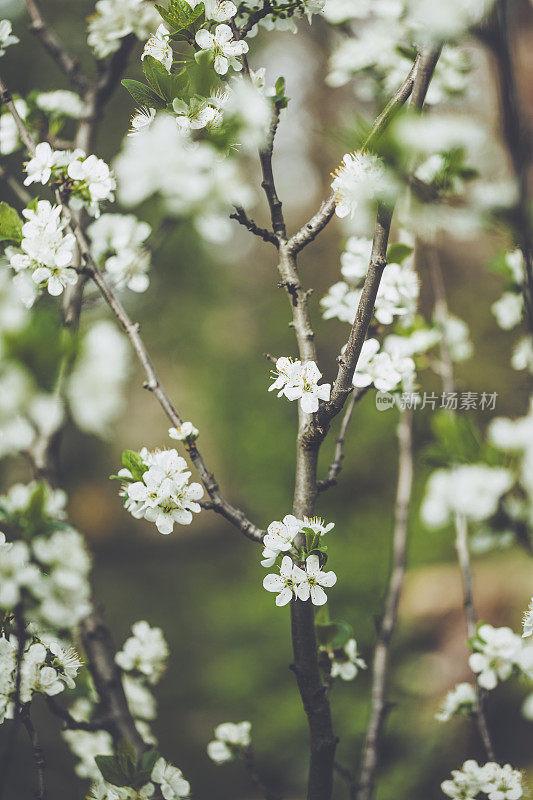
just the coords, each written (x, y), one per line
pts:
(208, 318)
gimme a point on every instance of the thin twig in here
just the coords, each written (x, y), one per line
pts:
(99, 724)
(243, 219)
(38, 755)
(255, 777)
(517, 133)
(380, 668)
(70, 66)
(17, 188)
(338, 457)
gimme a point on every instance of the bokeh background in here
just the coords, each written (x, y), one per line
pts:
(208, 318)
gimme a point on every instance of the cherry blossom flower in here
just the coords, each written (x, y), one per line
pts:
(497, 650)
(185, 431)
(286, 583)
(224, 48)
(461, 699)
(528, 621)
(346, 662)
(142, 118)
(279, 538)
(170, 779)
(304, 387)
(39, 167)
(158, 47)
(229, 738)
(313, 582)
(6, 37)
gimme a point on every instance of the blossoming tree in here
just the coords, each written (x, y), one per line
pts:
(203, 117)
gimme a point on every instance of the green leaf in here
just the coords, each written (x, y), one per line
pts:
(132, 461)
(343, 635)
(10, 224)
(334, 634)
(111, 770)
(325, 634)
(396, 253)
(142, 94)
(165, 85)
(145, 765)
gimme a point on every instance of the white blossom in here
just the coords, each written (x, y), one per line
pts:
(6, 36)
(359, 180)
(346, 662)
(385, 371)
(158, 47)
(286, 583)
(508, 310)
(462, 698)
(313, 582)
(146, 652)
(299, 381)
(171, 781)
(225, 49)
(118, 245)
(94, 179)
(115, 19)
(217, 10)
(9, 133)
(279, 538)
(356, 258)
(39, 167)
(142, 118)
(16, 572)
(185, 431)
(60, 103)
(229, 738)
(496, 651)
(86, 746)
(498, 783)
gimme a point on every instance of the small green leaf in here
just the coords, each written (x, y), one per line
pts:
(142, 94)
(343, 635)
(146, 764)
(132, 461)
(10, 224)
(396, 253)
(325, 634)
(111, 770)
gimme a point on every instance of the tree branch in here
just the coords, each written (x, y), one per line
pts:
(336, 464)
(517, 134)
(268, 184)
(70, 66)
(99, 724)
(108, 681)
(38, 755)
(380, 668)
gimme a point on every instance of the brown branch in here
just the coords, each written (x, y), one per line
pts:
(254, 18)
(243, 219)
(461, 532)
(268, 184)
(380, 668)
(38, 755)
(108, 681)
(70, 66)
(517, 134)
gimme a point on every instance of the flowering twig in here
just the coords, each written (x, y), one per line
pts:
(70, 66)
(380, 667)
(99, 724)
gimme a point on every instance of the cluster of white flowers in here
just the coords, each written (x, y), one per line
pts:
(497, 652)
(95, 388)
(115, 19)
(117, 244)
(470, 490)
(166, 781)
(164, 495)
(345, 662)
(6, 36)
(193, 179)
(448, 20)
(46, 253)
(358, 182)
(384, 370)
(53, 568)
(9, 133)
(490, 779)
(230, 739)
(44, 669)
(397, 296)
(299, 381)
(158, 47)
(293, 581)
(88, 178)
(280, 536)
(145, 652)
(462, 699)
